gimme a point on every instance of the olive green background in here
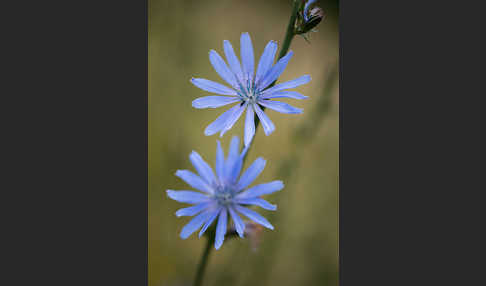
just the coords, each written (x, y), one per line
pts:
(303, 151)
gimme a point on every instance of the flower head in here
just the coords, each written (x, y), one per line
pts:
(223, 194)
(251, 89)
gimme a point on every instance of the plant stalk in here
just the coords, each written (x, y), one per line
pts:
(203, 262)
(289, 35)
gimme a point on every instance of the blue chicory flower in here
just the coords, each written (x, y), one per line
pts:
(222, 193)
(248, 88)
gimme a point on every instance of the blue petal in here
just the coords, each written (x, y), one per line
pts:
(281, 107)
(221, 68)
(254, 216)
(236, 170)
(220, 161)
(257, 202)
(190, 211)
(214, 215)
(232, 120)
(221, 228)
(188, 197)
(260, 190)
(194, 224)
(284, 94)
(213, 101)
(194, 181)
(249, 125)
(251, 173)
(212, 86)
(233, 61)
(233, 149)
(268, 126)
(220, 122)
(287, 85)
(247, 58)
(276, 71)
(232, 159)
(202, 168)
(239, 224)
(266, 60)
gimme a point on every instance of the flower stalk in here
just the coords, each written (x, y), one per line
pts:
(289, 36)
(204, 260)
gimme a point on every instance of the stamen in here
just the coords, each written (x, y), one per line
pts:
(224, 195)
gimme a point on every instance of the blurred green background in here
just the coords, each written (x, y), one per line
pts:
(303, 151)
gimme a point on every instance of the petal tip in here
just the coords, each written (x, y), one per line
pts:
(260, 160)
(207, 132)
(217, 245)
(272, 207)
(183, 236)
(269, 132)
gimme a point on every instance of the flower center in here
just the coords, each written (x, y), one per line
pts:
(224, 195)
(248, 90)
(251, 97)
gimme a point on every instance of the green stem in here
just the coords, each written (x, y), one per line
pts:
(204, 261)
(289, 35)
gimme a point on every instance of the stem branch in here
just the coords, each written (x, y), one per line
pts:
(289, 35)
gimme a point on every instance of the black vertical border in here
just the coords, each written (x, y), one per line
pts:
(76, 104)
(401, 184)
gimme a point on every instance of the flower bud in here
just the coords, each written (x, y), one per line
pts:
(308, 18)
(315, 16)
(254, 232)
